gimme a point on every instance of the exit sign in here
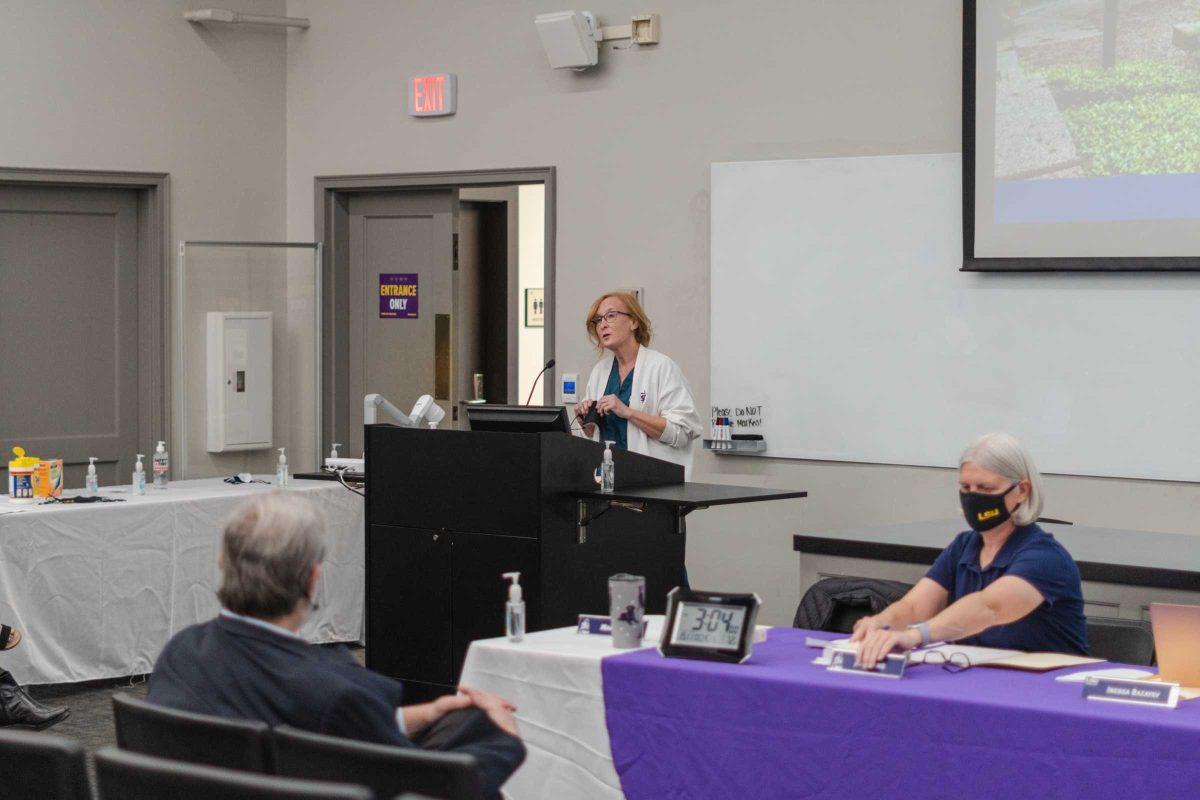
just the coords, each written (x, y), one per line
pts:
(432, 95)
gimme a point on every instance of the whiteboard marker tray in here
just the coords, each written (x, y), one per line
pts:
(736, 447)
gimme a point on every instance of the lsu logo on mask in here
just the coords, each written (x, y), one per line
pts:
(986, 515)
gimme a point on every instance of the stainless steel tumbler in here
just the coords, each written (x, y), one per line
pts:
(627, 606)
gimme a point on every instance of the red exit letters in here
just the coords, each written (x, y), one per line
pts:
(431, 95)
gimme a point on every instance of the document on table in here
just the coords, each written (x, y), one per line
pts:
(978, 656)
(1043, 662)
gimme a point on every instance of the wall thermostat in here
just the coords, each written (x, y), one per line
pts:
(569, 393)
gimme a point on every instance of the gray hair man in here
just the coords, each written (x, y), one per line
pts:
(251, 662)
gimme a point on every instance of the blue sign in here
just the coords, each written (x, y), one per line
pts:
(599, 625)
(1143, 693)
(844, 661)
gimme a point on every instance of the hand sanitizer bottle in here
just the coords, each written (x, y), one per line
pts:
(162, 465)
(92, 482)
(281, 473)
(608, 471)
(139, 476)
(514, 609)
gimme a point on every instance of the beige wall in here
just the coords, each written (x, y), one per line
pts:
(632, 141)
(130, 85)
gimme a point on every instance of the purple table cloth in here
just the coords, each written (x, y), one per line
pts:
(781, 727)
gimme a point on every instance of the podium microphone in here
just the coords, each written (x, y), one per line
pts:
(549, 364)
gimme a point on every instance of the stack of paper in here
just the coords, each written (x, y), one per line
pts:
(978, 656)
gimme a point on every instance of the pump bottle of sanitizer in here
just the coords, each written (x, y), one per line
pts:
(514, 609)
(281, 473)
(92, 483)
(608, 470)
(139, 476)
(162, 466)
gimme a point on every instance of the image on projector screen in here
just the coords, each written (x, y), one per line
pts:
(1097, 110)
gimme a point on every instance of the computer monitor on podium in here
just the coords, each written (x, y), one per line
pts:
(518, 419)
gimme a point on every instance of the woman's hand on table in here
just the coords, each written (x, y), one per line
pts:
(865, 625)
(877, 644)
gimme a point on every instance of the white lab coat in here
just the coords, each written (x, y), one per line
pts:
(659, 388)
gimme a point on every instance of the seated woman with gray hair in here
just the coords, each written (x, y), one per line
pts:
(1004, 583)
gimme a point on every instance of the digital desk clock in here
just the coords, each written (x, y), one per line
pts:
(711, 626)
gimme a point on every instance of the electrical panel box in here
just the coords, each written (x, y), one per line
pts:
(240, 379)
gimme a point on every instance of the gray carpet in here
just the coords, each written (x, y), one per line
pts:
(91, 719)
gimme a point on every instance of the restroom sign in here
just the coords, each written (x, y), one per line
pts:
(398, 295)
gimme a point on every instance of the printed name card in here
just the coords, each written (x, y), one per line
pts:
(891, 667)
(599, 625)
(1142, 693)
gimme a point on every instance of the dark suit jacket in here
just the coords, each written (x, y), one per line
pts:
(230, 668)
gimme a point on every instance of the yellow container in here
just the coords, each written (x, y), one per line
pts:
(48, 478)
(20, 477)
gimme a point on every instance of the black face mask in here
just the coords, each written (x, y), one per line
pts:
(985, 511)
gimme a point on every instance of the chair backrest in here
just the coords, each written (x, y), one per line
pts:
(196, 738)
(40, 765)
(387, 770)
(835, 604)
(1126, 641)
(122, 775)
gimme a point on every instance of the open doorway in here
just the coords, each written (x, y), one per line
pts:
(435, 284)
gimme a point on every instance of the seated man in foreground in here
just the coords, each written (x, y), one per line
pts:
(251, 663)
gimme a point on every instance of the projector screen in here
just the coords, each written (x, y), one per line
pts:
(1081, 135)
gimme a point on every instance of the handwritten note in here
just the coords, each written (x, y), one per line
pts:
(745, 418)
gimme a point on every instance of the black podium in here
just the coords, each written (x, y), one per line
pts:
(449, 511)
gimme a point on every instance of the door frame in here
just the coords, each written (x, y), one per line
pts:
(331, 231)
(154, 279)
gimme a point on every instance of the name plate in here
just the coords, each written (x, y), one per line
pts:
(1141, 693)
(891, 667)
(599, 625)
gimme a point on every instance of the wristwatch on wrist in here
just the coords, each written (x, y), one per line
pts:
(923, 629)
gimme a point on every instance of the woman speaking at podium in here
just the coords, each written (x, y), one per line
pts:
(644, 403)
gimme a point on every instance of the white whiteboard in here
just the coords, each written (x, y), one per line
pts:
(838, 306)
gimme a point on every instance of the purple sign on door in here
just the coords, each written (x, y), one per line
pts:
(398, 295)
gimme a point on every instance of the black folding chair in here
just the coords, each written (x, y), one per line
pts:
(1126, 641)
(387, 770)
(195, 738)
(40, 765)
(122, 775)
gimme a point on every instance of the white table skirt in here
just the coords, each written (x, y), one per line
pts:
(553, 678)
(99, 589)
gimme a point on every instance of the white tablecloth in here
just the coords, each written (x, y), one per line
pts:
(553, 678)
(99, 589)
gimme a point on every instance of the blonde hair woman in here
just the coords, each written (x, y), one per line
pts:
(1004, 583)
(644, 403)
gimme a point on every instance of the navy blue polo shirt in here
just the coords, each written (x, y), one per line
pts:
(1057, 625)
(613, 428)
